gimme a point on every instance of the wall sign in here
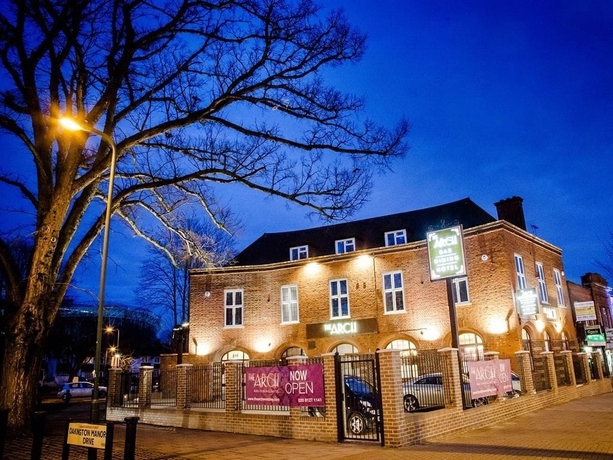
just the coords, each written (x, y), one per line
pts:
(301, 385)
(339, 328)
(585, 311)
(446, 253)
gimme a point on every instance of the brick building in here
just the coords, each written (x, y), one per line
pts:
(365, 285)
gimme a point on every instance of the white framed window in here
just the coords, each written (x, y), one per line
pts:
(557, 279)
(540, 275)
(343, 246)
(460, 291)
(298, 253)
(393, 292)
(289, 304)
(520, 271)
(339, 299)
(233, 303)
(395, 237)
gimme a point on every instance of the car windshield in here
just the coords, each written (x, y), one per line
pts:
(358, 387)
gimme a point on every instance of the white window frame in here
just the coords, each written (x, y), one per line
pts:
(343, 246)
(520, 272)
(337, 299)
(557, 279)
(393, 294)
(540, 276)
(289, 304)
(396, 237)
(457, 298)
(299, 253)
(235, 307)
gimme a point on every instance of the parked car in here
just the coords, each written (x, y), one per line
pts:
(362, 405)
(79, 389)
(426, 392)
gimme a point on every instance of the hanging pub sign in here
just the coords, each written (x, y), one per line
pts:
(527, 301)
(585, 311)
(446, 253)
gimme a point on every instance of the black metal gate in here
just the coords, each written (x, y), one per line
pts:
(358, 397)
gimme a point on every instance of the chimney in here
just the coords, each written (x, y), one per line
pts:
(512, 210)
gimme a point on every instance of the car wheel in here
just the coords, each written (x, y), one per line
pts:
(480, 402)
(356, 423)
(66, 397)
(410, 403)
(101, 394)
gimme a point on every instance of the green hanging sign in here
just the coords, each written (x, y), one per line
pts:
(446, 253)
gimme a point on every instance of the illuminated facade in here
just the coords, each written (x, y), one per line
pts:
(366, 285)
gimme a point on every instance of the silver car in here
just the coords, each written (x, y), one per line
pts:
(79, 389)
(426, 392)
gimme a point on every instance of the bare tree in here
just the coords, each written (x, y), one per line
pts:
(195, 94)
(164, 279)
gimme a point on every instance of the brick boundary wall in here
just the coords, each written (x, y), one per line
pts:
(401, 428)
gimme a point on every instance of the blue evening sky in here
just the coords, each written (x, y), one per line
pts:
(506, 98)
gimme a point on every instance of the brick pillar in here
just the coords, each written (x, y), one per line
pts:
(145, 382)
(390, 369)
(113, 388)
(585, 367)
(184, 374)
(234, 387)
(525, 372)
(330, 389)
(551, 370)
(570, 370)
(451, 377)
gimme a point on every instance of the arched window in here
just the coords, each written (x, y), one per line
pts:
(292, 351)
(526, 340)
(564, 340)
(546, 341)
(345, 349)
(471, 346)
(406, 347)
(235, 355)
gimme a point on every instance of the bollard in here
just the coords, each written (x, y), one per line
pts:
(4, 418)
(38, 430)
(108, 447)
(130, 446)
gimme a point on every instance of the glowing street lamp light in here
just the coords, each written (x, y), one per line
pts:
(74, 126)
(110, 330)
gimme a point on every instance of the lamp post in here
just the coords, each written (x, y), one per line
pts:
(74, 126)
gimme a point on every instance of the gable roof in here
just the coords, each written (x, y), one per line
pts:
(368, 233)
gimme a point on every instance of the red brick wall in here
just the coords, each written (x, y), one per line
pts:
(491, 313)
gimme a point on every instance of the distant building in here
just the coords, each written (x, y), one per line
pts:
(593, 313)
(360, 286)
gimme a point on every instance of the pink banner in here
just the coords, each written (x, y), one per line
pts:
(488, 378)
(301, 385)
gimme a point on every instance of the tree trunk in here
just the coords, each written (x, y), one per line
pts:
(22, 363)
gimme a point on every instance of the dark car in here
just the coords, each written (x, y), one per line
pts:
(79, 389)
(362, 404)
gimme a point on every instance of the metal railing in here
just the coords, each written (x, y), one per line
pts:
(208, 386)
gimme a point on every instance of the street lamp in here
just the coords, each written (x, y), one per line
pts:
(74, 126)
(115, 349)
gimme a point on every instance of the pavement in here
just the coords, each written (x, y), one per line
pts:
(580, 429)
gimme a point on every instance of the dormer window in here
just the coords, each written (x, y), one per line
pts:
(395, 237)
(299, 252)
(343, 246)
